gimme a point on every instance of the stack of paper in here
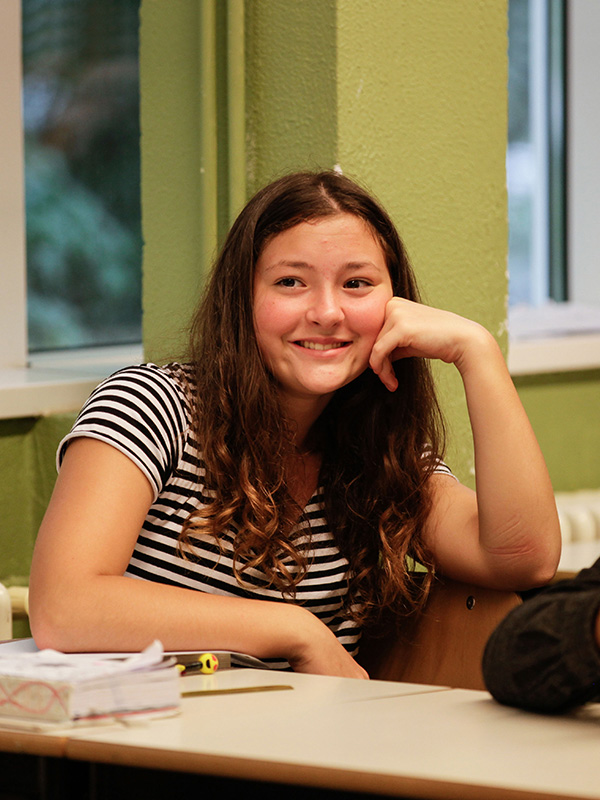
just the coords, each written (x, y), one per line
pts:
(52, 687)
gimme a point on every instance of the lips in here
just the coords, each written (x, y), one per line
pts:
(321, 345)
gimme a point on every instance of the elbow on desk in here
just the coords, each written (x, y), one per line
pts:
(523, 571)
(545, 555)
(52, 624)
(542, 574)
(534, 564)
(549, 549)
(44, 633)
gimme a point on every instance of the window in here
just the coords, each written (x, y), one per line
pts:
(553, 173)
(37, 383)
(82, 184)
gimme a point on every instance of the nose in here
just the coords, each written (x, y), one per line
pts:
(325, 309)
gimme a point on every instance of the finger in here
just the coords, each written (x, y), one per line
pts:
(387, 376)
(387, 347)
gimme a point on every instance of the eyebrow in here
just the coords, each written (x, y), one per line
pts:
(350, 265)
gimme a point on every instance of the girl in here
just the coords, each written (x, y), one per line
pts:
(265, 497)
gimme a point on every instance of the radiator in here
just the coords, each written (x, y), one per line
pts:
(5, 613)
(14, 602)
(579, 515)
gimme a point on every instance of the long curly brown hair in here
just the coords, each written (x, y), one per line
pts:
(377, 448)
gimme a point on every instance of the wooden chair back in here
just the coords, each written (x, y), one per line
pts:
(441, 645)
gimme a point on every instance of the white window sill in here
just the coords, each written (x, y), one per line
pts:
(559, 337)
(60, 382)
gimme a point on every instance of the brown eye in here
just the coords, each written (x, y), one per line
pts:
(356, 283)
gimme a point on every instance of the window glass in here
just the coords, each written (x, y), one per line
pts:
(82, 172)
(535, 155)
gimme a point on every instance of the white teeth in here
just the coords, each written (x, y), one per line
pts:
(317, 346)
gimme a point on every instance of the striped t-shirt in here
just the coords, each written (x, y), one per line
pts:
(145, 413)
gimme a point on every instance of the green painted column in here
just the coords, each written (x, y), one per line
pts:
(291, 87)
(170, 37)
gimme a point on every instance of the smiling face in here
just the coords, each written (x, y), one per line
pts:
(320, 293)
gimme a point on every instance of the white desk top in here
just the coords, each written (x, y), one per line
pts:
(370, 736)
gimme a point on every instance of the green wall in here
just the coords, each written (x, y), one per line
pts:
(169, 80)
(292, 87)
(27, 472)
(564, 410)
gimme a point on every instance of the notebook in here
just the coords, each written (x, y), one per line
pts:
(52, 688)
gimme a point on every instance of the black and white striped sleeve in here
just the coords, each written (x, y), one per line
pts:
(142, 412)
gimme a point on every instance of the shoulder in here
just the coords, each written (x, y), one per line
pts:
(145, 411)
(149, 393)
(171, 383)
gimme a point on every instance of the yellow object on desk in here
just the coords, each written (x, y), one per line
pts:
(207, 663)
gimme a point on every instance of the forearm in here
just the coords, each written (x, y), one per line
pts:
(518, 523)
(116, 613)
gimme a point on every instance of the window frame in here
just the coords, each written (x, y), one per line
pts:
(562, 344)
(13, 298)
